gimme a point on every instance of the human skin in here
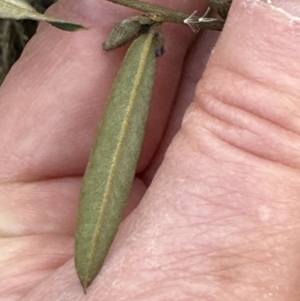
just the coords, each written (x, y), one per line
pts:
(221, 217)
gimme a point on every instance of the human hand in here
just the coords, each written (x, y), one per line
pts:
(220, 220)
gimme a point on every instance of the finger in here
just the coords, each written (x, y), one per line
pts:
(54, 97)
(195, 64)
(221, 218)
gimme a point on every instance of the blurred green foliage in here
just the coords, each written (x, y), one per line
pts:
(15, 34)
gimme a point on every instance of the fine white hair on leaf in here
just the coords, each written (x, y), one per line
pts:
(192, 21)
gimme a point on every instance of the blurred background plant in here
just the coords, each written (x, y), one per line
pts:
(15, 34)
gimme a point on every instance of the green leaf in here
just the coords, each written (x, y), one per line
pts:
(21, 9)
(111, 168)
(122, 33)
(66, 26)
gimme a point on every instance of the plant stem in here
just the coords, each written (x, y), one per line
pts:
(168, 15)
(163, 14)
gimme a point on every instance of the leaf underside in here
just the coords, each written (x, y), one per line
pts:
(114, 157)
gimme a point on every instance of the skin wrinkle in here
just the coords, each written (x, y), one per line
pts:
(52, 214)
(202, 90)
(241, 83)
(229, 134)
(64, 203)
(41, 180)
(208, 107)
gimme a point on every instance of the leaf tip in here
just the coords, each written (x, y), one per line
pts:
(84, 285)
(68, 26)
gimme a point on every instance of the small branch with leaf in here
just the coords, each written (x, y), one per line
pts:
(16, 28)
(21, 9)
(113, 160)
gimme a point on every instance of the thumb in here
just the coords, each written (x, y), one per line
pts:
(221, 218)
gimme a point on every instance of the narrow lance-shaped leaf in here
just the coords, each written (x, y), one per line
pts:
(21, 9)
(111, 169)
